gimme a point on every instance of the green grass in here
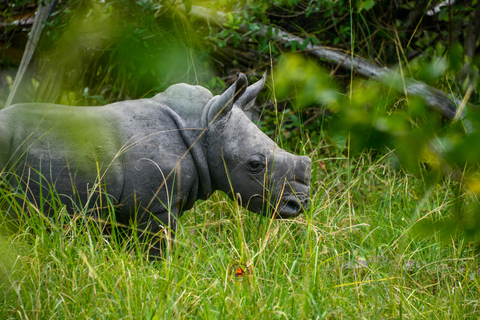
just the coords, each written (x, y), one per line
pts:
(352, 255)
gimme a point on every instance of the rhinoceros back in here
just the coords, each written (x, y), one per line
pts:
(126, 150)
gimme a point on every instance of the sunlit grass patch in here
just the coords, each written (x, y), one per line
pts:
(352, 254)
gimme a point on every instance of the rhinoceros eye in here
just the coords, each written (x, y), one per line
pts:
(256, 164)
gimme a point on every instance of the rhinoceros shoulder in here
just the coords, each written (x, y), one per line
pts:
(187, 100)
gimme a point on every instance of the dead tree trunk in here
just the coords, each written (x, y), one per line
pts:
(446, 105)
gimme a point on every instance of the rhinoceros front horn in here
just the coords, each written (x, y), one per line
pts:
(247, 100)
(223, 104)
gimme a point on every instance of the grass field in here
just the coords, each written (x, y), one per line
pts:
(351, 255)
(360, 251)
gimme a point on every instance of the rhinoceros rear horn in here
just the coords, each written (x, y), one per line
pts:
(224, 103)
(247, 100)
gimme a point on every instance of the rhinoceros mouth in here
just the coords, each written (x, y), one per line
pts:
(291, 206)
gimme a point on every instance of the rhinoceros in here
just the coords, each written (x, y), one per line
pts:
(152, 158)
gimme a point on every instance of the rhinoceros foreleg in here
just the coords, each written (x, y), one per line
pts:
(157, 233)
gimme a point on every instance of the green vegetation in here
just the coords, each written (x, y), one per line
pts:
(393, 227)
(352, 255)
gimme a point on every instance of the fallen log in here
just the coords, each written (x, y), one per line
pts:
(434, 98)
(446, 105)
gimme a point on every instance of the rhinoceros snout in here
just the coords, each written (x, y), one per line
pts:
(301, 173)
(296, 196)
(307, 162)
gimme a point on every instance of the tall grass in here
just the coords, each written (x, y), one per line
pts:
(351, 255)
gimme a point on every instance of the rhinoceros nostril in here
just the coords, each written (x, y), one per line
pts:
(291, 206)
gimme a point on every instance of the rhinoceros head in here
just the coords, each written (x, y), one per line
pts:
(246, 164)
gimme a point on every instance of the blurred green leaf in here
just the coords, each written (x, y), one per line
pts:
(303, 80)
(365, 5)
(455, 57)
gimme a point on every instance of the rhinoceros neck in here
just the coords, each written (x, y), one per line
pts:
(194, 136)
(186, 104)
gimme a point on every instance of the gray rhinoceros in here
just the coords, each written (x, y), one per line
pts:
(152, 158)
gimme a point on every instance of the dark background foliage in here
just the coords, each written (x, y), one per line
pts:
(97, 52)
(136, 47)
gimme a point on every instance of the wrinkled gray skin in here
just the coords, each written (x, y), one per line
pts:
(153, 157)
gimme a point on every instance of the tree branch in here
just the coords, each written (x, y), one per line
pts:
(435, 99)
(42, 14)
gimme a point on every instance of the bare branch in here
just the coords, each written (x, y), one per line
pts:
(436, 99)
(42, 14)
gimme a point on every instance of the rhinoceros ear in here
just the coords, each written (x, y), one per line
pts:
(224, 103)
(247, 100)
